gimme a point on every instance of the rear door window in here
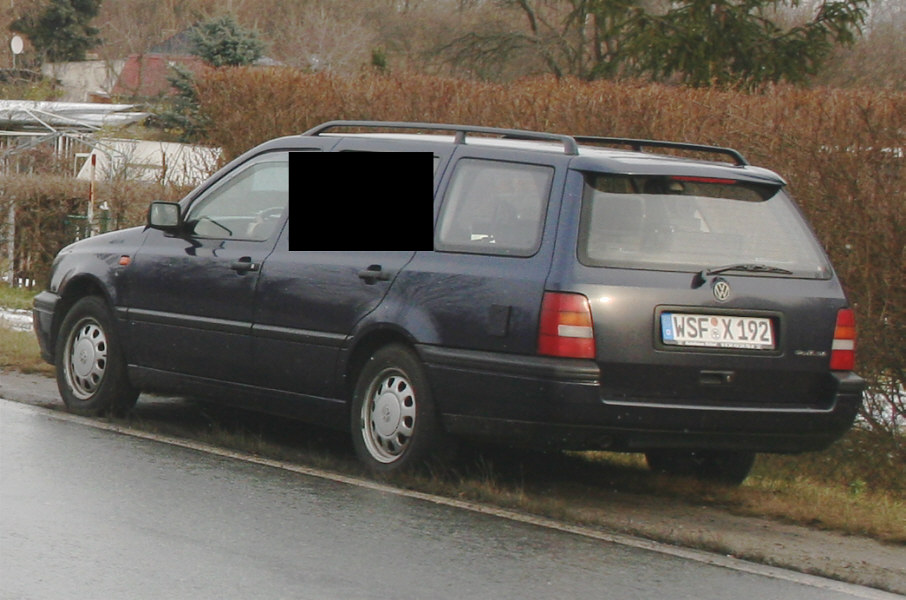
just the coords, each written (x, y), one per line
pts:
(681, 223)
(494, 207)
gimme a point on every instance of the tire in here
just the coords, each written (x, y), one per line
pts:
(91, 369)
(393, 421)
(719, 466)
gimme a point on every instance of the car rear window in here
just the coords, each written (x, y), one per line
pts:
(680, 223)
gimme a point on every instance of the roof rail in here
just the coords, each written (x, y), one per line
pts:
(569, 143)
(637, 145)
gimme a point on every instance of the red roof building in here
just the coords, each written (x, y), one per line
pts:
(145, 75)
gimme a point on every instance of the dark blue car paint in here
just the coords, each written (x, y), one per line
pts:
(289, 336)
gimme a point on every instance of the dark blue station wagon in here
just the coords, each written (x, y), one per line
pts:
(577, 296)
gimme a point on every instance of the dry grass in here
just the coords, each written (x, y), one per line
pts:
(879, 514)
(16, 297)
(20, 351)
(858, 485)
(788, 488)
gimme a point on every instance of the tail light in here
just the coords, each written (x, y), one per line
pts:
(843, 349)
(566, 326)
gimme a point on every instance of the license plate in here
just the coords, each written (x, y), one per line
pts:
(717, 331)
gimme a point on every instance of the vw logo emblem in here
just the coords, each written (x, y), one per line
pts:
(721, 290)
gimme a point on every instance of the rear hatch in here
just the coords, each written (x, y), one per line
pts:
(705, 291)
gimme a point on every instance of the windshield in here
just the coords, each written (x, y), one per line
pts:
(678, 223)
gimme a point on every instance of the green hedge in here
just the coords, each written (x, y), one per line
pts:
(50, 213)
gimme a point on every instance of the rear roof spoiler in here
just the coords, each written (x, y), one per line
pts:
(637, 145)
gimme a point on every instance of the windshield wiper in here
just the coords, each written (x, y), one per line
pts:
(749, 268)
(702, 275)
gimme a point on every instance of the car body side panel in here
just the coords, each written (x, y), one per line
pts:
(190, 292)
(477, 301)
(300, 324)
(189, 311)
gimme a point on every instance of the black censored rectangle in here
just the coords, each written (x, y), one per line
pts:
(361, 201)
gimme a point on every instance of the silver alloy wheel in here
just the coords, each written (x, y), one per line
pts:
(388, 416)
(86, 358)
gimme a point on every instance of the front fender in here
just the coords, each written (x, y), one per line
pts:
(90, 266)
(95, 262)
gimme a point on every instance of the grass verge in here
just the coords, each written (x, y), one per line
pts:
(848, 488)
(864, 495)
(16, 297)
(20, 351)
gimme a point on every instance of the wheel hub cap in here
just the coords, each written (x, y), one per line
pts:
(389, 418)
(387, 414)
(87, 359)
(83, 358)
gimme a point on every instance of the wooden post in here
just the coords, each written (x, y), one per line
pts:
(11, 243)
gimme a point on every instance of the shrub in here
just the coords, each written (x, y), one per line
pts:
(49, 214)
(843, 153)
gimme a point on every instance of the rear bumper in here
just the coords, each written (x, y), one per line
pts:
(557, 402)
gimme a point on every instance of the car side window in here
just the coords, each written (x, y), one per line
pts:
(494, 207)
(247, 204)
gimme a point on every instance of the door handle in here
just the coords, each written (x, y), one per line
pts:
(374, 273)
(244, 265)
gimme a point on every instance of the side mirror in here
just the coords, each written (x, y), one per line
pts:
(165, 216)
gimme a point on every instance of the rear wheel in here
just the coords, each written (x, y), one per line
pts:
(394, 426)
(721, 466)
(91, 369)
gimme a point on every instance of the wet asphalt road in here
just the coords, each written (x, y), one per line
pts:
(90, 513)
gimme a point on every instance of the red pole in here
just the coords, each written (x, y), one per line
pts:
(94, 162)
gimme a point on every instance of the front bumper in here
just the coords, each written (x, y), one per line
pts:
(45, 305)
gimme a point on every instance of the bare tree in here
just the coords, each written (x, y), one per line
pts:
(582, 38)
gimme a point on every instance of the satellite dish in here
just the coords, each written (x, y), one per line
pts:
(16, 45)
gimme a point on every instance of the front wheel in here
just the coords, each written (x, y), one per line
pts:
(720, 466)
(394, 426)
(91, 369)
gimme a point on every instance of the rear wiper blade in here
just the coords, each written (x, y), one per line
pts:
(700, 277)
(748, 267)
